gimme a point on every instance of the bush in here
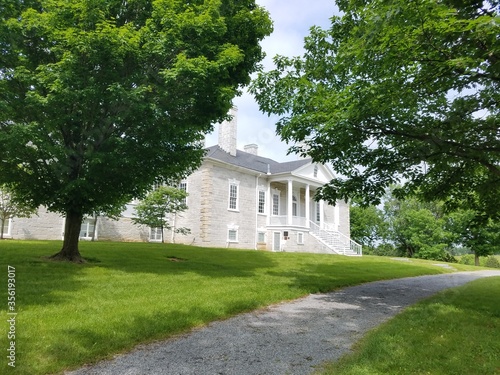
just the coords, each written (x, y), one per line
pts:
(386, 249)
(468, 259)
(436, 252)
(492, 262)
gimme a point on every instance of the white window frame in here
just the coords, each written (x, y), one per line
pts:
(7, 225)
(300, 238)
(295, 205)
(154, 234)
(261, 202)
(232, 229)
(233, 195)
(88, 222)
(261, 236)
(183, 185)
(276, 204)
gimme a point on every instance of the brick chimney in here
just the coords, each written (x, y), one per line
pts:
(252, 149)
(227, 133)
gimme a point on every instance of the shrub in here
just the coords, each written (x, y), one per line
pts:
(492, 262)
(436, 252)
(468, 259)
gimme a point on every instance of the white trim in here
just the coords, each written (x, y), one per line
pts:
(157, 233)
(8, 231)
(89, 222)
(185, 189)
(275, 192)
(300, 238)
(259, 192)
(235, 229)
(273, 247)
(231, 199)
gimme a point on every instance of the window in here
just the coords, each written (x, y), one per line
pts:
(295, 206)
(276, 204)
(300, 238)
(315, 171)
(6, 227)
(233, 195)
(157, 185)
(183, 187)
(318, 212)
(261, 237)
(262, 202)
(232, 233)
(155, 234)
(87, 228)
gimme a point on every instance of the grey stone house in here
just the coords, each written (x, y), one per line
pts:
(236, 199)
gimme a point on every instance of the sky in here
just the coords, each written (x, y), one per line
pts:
(292, 20)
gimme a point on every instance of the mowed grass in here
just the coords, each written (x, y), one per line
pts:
(131, 293)
(453, 333)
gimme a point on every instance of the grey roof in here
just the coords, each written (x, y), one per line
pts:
(254, 162)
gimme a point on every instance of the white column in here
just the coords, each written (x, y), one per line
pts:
(336, 213)
(322, 214)
(289, 203)
(308, 206)
(269, 204)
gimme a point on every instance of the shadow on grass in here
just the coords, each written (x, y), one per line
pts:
(321, 278)
(43, 281)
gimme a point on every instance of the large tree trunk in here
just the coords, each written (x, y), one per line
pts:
(476, 259)
(2, 223)
(69, 251)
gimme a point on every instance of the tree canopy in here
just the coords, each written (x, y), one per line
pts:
(99, 98)
(397, 92)
(159, 208)
(419, 229)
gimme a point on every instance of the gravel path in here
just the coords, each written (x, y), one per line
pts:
(288, 338)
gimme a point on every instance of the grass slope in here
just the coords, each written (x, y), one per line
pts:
(453, 333)
(131, 293)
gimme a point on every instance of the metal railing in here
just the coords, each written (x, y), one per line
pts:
(336, 241)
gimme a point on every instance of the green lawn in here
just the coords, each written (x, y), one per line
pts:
(453, 333)
(129, 293)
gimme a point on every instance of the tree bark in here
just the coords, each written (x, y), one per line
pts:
(2, 223)
(69, 251)
(476, 259)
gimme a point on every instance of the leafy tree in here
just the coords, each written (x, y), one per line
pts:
(158, 208)
(368, 226)
(398, 91)
(479, 236)
(418, 229)
(99, 98)
(11, 207)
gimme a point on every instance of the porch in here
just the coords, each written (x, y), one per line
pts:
(292, 204)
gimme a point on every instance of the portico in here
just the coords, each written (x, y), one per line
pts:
(292, 204)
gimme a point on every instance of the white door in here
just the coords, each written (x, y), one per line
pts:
(276, 241)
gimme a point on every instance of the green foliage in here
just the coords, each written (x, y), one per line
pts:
(159, 206)
(98, 99)
(397, 91)
(367, 225)
(492, 262)
(468, 259)
(132, 293)
(384, 249)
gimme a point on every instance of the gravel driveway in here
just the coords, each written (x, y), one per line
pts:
(288, 338)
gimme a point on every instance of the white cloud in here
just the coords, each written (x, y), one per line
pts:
(292, 21)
